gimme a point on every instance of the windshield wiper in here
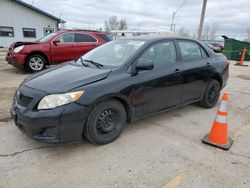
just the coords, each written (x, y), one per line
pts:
(98, 65)
(81, 60)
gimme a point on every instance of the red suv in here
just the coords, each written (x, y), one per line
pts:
(54, 48)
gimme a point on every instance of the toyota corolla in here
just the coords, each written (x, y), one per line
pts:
(117, 83)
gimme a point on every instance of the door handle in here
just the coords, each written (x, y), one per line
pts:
(177, 71)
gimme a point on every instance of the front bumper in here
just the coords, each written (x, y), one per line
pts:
(59, 125)
(16, 59)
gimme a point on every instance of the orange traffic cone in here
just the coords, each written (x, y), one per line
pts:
(218, 135)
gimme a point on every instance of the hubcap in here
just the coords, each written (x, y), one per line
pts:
(213, 94)
(107, 121)
(36, 63)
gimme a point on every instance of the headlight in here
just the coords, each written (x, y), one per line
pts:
(55, 100)
(18, 49)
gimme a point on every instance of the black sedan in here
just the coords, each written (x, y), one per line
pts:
(117, 83)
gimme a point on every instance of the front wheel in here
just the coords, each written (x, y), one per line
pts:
(36, 63)
(211, 94)
(105, 123)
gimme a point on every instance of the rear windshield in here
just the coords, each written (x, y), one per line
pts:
(104, 37)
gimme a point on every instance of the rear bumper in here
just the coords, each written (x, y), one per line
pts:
(59, 125)
(17, 60)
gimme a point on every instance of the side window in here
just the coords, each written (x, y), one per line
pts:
(84, 38)
(162, 54)
(66, 38)
(190, 51)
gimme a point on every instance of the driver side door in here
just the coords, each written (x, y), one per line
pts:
(63, 51)
(160, 88)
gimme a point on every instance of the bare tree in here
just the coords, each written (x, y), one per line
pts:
(205, 33)
(209, 33)
(123, 24)
(183, 32)
(214, 30)
(111, 24)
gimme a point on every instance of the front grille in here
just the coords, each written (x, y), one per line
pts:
(23, 100)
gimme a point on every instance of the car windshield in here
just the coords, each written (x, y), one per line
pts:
(46, 38)
(113, 53)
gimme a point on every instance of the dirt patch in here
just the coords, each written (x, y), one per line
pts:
(6, 119)
(10, 79)
(6, 95)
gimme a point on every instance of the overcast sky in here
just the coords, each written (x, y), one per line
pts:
(231, 16)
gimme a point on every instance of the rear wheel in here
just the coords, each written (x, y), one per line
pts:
(35, 63)
(211, 94)
(106, 122)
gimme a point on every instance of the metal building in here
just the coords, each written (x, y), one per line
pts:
(20, 21)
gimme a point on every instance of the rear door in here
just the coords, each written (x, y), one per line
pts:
(196, 70)
(84, 43)
(63, 51)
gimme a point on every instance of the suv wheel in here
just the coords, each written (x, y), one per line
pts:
(211, 94)
(106, 122)
(36, 63)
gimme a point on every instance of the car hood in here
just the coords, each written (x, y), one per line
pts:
(20, 43)
(64, 78)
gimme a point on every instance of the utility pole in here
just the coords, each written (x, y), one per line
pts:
(202, 18)
(172, 26)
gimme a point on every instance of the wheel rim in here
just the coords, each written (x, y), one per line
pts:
(213, 94)
(36, 63)
(107, 122)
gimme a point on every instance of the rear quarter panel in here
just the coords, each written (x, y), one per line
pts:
(221, 65)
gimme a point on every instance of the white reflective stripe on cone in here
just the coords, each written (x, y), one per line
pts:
(223, 106)
(221, 119)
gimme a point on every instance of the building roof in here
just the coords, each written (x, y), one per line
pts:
(38, 10)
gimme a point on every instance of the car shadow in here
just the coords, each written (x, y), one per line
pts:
(13, 70)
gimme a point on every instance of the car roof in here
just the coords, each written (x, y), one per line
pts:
(79, 31)
(152, 38)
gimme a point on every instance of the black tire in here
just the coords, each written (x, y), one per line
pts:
(105, 122)
(211, 95)
(35, 63)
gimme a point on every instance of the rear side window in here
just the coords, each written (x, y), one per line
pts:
(191, 51)
(84, 38)
(66, 38)
(104, 37)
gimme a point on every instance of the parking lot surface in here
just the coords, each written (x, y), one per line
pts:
(161, 151)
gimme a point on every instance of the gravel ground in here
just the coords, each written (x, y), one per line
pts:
(161, 151)
(10, 78)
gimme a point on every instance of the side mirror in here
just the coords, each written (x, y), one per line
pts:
(56, 41)
(144, 64)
